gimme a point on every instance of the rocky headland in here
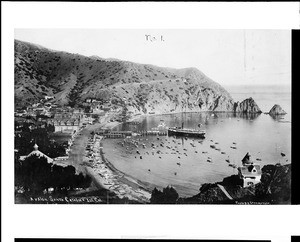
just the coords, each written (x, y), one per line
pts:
(247, 106)
(130, 87)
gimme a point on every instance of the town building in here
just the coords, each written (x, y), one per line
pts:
(37, 153)
(57, 161)
(66, 125)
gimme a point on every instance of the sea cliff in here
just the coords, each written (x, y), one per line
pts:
(121, 86)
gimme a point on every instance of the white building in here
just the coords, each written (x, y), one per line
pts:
(66, 126)
(250, 174)
(37, 153)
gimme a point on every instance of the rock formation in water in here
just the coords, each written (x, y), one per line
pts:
(276, 110)
(247, 106)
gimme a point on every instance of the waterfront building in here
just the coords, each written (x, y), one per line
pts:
(250, 174)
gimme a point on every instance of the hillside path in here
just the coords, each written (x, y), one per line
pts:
(224, 191)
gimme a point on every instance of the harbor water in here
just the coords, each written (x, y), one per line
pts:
(187, 163)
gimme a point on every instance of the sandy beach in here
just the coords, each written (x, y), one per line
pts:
(104, 175)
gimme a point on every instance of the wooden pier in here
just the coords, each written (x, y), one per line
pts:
(113, 134)
(153, 132)
(123, 134)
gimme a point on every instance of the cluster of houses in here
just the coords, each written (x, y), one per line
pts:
(98, 106)
(67, 119)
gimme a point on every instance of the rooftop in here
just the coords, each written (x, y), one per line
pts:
(250, 170)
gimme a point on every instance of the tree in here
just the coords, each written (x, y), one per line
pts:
(168, 196)
(35, 174)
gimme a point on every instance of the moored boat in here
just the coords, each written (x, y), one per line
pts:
(180, 131)
(177, 131)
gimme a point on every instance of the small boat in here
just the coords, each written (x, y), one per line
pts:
(282, 154)
(178, 163)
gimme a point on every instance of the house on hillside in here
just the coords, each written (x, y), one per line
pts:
(250, 174)
(49, 97)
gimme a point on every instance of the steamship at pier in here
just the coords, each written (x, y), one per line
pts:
(181, 131)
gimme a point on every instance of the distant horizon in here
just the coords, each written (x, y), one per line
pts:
(229, 57)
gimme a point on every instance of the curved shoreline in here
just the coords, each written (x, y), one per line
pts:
(106, 176)
(134, 189)
(101, 170)
(129, 179)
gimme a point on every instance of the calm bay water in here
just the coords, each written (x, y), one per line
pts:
(183, 163)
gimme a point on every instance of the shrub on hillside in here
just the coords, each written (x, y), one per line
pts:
(168, 196)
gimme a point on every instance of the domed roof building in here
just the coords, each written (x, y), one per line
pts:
(37, 153)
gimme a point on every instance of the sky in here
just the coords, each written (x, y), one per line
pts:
(229, 57)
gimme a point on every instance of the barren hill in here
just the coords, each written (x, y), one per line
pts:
(72, 78)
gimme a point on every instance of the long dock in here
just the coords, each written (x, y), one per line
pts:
(114, 134)
(122, 134)
(153, 132)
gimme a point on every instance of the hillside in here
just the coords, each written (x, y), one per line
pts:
(142, 88)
